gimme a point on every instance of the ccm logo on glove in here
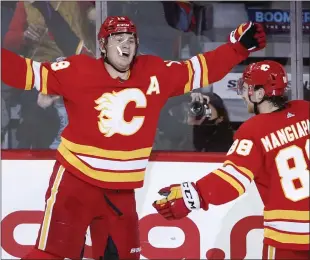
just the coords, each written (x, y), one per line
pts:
(178, 201)
(190, 196)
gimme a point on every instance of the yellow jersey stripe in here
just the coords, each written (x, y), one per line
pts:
(29, 75)
(286, 238)
(287, 214)
(109, 154)
(44, 80)
(49, 208)
(188, 85)
(230, 180)
(99, 175)
(205, 71)
(240, 168)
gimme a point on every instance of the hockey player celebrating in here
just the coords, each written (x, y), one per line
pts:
(113, 104)
(272, 149)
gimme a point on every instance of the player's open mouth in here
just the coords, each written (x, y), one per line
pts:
(125, 54)
(122, 53)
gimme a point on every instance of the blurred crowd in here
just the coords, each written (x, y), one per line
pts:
(203, 121)
(42, 31)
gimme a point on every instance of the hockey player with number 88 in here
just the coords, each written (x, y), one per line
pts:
(113, 104)
(271, 148)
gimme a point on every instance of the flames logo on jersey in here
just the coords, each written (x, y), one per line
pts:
(112, 107)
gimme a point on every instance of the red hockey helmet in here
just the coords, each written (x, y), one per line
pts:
(116, 24)
(269, 74)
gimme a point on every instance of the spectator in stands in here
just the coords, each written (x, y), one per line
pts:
(50, 29)
(173, 132)
(8, 94)
(38, 126)
(211, 129)
(307, 90)
(45, 101)
(7, 11)
(4, 119)
(44, 31)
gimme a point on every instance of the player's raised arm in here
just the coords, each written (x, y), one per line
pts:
(212, 66)
(24, 73)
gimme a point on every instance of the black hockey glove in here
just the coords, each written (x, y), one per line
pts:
(251, 35)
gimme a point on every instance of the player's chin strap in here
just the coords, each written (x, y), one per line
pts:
(256, 111)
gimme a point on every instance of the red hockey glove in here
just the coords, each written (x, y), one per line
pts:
(180, 199)
(251, 35)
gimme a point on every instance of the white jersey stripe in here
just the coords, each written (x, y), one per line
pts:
(114, 165)
(236, 174)
(197, 72)
(287, 226)
(36, 66)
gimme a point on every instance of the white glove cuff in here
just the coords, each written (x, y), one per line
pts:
(190, 196)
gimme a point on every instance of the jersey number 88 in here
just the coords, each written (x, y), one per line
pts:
(299, 171)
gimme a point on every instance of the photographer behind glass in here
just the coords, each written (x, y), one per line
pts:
(211, 127)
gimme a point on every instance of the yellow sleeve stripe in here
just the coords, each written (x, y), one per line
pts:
(244, 170)
(44, 80)
(29, 75)
(188, 85)
(205, 71)
(230, 180)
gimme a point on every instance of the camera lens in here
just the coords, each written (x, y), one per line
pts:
(197, 109)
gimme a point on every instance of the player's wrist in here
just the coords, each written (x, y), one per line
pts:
(241, 49)
(191, 196)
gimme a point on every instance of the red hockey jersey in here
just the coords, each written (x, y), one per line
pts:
(272, 149)
(112, 123)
